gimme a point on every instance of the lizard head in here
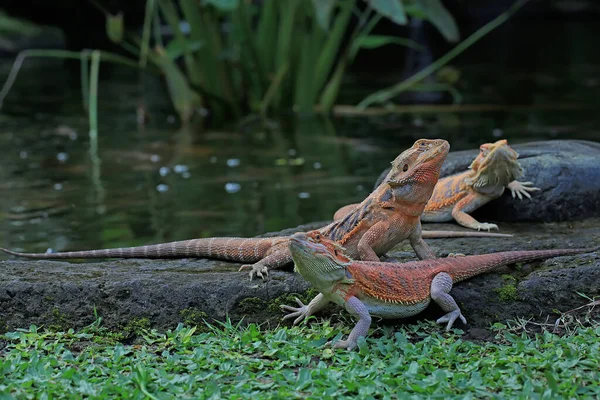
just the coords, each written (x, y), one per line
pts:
(415, 171)
(318, 259)
(495, 164)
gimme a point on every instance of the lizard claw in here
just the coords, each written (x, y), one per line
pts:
(487, 227)
(300, 312)
(256, 269)
(341, 344)
(521, 189)
(450, 318)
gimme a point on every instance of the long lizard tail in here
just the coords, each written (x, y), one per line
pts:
(457, 234)
(465, 267)
(223, 248)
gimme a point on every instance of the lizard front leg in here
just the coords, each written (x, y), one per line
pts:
(440, 287)
(373, 236)
(472, 201)
(359, 310)
(305, 311)
(421, 248)
(520, 189)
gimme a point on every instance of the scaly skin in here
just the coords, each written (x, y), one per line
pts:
(388, 216)
(389, 290)
(493, 170)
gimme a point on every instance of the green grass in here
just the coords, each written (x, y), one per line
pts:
(244, 361)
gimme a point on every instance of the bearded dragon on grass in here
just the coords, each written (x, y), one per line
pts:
(389, 215)
(389, 290)
(495, 169)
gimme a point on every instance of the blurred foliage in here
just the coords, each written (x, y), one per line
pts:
(239, 57)
(231, 58)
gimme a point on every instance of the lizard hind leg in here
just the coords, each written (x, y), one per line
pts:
(440, 289)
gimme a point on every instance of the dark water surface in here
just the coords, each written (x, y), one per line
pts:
(163, 183)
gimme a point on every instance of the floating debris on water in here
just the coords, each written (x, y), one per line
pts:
(232, 187)
(179, 169)
(233, 162)
(164, 171)
(62, 157)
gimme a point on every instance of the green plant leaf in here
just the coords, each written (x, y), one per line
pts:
(323, 9)
(222, 5)
(183, 98)
(439, 16)
(176, 49)
(391, 9)
(114, 27)
(376, 41)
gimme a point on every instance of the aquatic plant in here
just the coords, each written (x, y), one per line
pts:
(239, 57)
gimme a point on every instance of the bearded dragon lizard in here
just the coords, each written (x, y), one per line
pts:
(494, 169)
(386, 217)
(389, 290)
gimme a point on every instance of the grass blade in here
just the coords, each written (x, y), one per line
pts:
(85, 79)
(93, 96)
(145, 45)
(183, 98)
(266, 34)
(171, 15)
(329, 51)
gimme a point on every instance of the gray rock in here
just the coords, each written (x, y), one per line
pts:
(166, 292)
(566, 171)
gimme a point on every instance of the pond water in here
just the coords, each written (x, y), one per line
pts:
(162, 183)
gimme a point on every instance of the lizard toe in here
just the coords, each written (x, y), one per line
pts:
(344, 344)
(450, 318)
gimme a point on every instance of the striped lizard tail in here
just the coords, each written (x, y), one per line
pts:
(222, 248)
(465, 267)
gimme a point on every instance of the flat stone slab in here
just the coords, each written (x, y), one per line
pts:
(165, 292)
(566, 171)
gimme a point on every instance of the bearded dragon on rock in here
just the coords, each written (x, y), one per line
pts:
(493, 170)
(389, 290)
(389, 215)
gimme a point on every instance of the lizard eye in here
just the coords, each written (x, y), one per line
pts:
(318, 237)
(405, 168)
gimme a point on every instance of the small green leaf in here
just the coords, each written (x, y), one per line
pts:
(391, 9)
(376, 41)
(114, 27)
(439, 16)
(222, 5)
(175, 48)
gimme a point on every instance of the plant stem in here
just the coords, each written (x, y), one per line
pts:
(386, 94)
